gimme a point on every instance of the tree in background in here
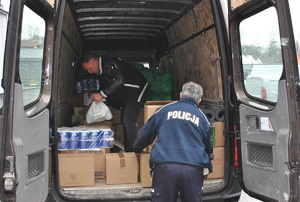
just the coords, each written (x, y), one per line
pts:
(268, 55)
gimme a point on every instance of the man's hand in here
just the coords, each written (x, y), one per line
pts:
(97, 97)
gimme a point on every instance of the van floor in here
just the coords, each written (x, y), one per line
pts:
(123, 191)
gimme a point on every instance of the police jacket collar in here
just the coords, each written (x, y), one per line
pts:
(187, 99)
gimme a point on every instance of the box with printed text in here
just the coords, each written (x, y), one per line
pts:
(76, 170)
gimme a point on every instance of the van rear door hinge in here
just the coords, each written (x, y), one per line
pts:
(54, 140)
(294, 165)
(233, 134)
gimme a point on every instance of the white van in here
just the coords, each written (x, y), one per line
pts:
(263, 81)
(191, 40)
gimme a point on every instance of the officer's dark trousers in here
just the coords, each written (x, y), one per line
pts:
(169, 179)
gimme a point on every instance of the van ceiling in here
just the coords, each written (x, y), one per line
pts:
(128, 22)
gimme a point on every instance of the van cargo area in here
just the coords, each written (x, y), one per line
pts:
(122, 175)
(174, 38)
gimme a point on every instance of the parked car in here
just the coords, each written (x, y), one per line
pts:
(263, 81)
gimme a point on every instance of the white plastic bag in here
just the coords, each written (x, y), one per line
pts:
(98, 112)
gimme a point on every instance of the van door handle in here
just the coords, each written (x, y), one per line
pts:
(252, 123)
(11, 163)
(229, 91)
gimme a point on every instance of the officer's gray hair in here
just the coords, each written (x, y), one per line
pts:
(192, 90)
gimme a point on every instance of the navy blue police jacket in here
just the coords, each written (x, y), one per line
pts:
(183, 135)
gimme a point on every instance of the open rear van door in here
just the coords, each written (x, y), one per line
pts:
(26, 87)
(265, 43)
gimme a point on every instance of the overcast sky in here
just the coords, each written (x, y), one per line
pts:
(263, 27)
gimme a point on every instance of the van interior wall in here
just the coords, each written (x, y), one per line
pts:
(69, 55)
(237, 3)
(195, 60)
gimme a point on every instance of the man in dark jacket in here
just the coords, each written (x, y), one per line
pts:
(182, 150)
(124, 84)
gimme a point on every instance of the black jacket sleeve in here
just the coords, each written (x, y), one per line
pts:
(113, 77)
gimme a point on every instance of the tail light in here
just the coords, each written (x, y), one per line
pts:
(235, 151)
(235, 154)
(263, 93)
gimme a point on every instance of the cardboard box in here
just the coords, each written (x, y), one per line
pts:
(118, 126)
(149, 148)
(119, 144)
(116, 115)
(116, 120)
(121, 168)
(151, 106)
(145, 177)
(219, 134)
(218, 164)
(76, 170)
(99, 159)
(102, 123)
(107, 151)
(94, 126)
(77, 120)
(149, 109)
(78, 111)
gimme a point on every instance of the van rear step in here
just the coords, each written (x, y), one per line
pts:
(125, 191)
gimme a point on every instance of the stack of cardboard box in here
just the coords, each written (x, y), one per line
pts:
(82, 167)
(218, 143)
(149, 109)
(145, 177)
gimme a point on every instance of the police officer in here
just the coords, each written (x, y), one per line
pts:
(182, 150)
(124, 84)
